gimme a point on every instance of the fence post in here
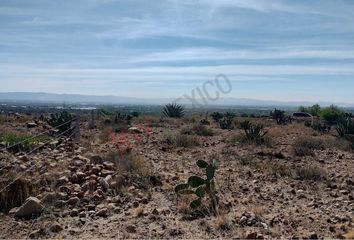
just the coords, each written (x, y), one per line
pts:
(92, 123)
(77, 128)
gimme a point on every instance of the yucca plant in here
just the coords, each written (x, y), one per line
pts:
(173, 110)
(202, 187)
(253, 132)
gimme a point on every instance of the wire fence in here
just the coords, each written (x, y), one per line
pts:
(37, 135)
(26, 154)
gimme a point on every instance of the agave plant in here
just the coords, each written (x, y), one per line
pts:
(201, 187)
(253, 132)
(173, 110)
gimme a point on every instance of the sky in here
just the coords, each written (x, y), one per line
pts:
(268, 49)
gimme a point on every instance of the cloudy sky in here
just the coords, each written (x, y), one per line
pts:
(276, 49)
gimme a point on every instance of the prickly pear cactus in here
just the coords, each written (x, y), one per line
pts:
(201, 186)
(61, 121)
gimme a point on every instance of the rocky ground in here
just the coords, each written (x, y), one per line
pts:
(122, 185)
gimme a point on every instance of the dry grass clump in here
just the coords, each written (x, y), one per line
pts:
(309, 172)
(305, 146)
(222, 222)
(279, 169)
(181, 140)
(197, 129)
(129, 162)
(304, 173)
(16, 193)
(105, 135)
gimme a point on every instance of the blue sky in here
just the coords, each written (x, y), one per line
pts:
(276, 50)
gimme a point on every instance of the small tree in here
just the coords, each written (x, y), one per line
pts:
(332, 114)
(279, 116)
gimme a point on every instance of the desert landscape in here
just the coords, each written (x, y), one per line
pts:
(274, 176)
(176, 119)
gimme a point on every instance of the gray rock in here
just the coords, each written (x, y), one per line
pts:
(31, 208)
(56, 227)
(73, 201)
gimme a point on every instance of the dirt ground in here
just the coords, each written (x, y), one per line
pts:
(264, 191)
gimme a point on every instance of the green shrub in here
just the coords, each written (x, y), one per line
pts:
(173, 110)
(322, 127)
(314, 110)
(202, 186)
(332, 114)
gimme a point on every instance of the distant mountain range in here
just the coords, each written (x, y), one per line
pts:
(41, 97)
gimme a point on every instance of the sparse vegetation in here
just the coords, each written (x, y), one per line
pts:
(26, 141)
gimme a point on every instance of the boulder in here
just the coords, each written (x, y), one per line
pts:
(135, 130)
(31, 125)
(32, 207)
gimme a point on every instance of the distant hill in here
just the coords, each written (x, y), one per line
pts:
(42, 97)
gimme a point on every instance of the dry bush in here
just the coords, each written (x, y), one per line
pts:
(181, 140)
(279, 169)
(339, 143)
(248, 160)
(105, 135)
(305, 146)
(16, 193)
(242, 139)
(309, 172)
(222, 222)
(129, 162)
(198, 129)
